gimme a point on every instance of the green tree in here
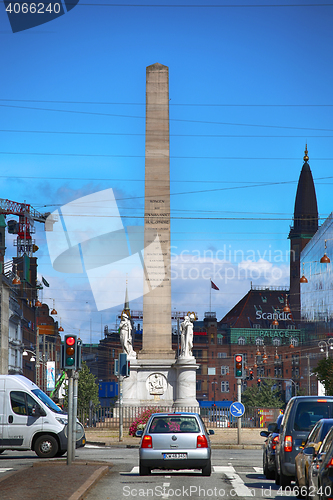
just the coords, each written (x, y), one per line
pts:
(266, 396)
(87, 389)
(324, 372)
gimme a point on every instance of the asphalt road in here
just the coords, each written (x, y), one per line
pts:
(236, 474)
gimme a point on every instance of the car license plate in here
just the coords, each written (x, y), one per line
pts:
(174, 456)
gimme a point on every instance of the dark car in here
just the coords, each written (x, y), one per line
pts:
(320, 474)
(268, 458)
(175, 441)
(304, 458)
(301, 414)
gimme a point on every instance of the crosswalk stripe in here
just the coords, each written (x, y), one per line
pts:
(215, 468)
(236, 481)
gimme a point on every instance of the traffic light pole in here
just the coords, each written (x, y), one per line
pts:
(239, 419)
(70, 418)
(75, 395)
(121, 416)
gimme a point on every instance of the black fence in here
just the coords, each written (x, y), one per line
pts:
(108, 417)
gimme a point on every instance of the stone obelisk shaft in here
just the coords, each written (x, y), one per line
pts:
(157, 343)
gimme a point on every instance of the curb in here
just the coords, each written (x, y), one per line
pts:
(89, 483)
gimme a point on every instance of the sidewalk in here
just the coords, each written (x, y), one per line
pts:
(52, 480)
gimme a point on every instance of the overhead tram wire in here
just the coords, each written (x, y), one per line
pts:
(171, 135)
(169, 119)
(170, 104)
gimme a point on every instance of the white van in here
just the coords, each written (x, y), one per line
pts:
(30, 420)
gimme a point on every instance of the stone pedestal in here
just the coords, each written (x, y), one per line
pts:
(151, 382)
(186, 382)
(161, 383)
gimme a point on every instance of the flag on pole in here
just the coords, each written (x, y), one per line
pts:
(214, 287)
(44, 281)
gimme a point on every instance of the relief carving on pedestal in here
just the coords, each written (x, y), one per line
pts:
(157, 384)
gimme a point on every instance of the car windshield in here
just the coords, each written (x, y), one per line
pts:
(309, 412)
(47, 401)
(173, 424)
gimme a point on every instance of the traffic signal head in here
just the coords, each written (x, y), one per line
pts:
(258, 382)
(251, 374)
(70, 352)
(239, 365)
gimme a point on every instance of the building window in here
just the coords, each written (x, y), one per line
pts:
(198, 385)
(241, 341)
(276, 341)
(291, 327)
(221, 354)
(294, 341)
(225, 386)
(212, 338)
(113, 353)
(197, 353)
(224, 370)
(257, 326)
(295, 359)
(259, 341)
(220, 340)
(199, 370)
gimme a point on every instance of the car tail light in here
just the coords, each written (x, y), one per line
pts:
(275, 442)
(330, 464)
(228, 423)
(147, 442)
(288, 443)
(202, 442)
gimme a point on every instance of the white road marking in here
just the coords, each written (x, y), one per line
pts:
(5, 469)
(259, 470)
(94, 446)
(165, 495)
(236, 482)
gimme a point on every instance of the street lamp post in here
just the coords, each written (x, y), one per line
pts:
(325, 346)
(214, 388)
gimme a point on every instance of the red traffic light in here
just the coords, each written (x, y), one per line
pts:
(238, 358)
(70, 340)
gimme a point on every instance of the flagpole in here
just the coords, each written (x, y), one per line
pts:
(210, 296)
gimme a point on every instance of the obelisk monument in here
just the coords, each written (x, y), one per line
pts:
(156, 377)
(157, 337)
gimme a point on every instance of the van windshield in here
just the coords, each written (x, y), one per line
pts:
(47, 401)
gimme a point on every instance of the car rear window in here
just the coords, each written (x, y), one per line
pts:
(170, 424)
(309, 412)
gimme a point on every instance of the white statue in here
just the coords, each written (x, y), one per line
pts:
(125, 328)
(186, 339)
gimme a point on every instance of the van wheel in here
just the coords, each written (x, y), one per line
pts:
(46, 446)
(1, 451)
(60, 453)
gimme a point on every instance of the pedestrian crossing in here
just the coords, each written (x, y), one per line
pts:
(5, 469)
(227, 470)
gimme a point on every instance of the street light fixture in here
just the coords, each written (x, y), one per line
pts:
(325, 346)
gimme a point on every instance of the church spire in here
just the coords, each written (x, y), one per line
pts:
(304, 227)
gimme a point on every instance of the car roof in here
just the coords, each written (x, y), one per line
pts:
(182, 413)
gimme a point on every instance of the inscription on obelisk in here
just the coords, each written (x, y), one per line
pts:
(157, 342)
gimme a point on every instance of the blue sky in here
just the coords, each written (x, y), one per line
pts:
(249, 86)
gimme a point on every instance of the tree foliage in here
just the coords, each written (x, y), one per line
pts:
(324, 372)
(87, 389)
(265, 396)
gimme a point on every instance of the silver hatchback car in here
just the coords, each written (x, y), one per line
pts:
(175, 441)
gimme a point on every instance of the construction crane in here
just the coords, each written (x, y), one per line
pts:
(25, 226)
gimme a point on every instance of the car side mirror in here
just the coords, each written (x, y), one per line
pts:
(309, 450)
(210, 432)
(264, 434)
(139, 433)
(272, 427)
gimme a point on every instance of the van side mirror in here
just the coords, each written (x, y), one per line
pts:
(272, 427)
(211, 432)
